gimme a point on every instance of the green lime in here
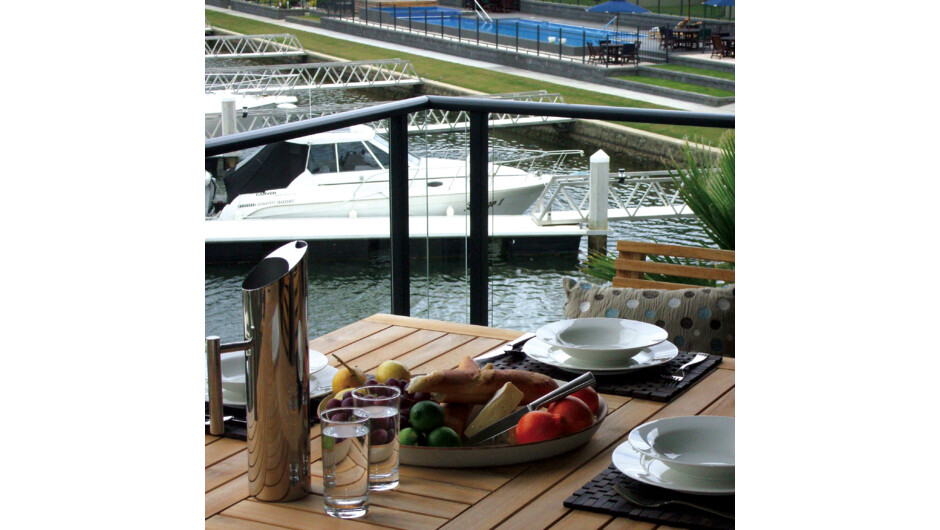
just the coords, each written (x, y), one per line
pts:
(408, 436)
(426, 416)
(443, 437)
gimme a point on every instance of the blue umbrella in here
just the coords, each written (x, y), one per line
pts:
(617, 6)
(720, 3)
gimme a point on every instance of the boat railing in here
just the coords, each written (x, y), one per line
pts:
(479, 109)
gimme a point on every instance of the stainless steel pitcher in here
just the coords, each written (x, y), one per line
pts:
(274, 301)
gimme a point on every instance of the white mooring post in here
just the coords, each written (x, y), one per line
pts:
(597, 210)
(228, 116)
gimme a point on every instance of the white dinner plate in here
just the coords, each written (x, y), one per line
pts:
(601, 339)
(657, 473)
(701, 446)
(233, 377)
(656, 355)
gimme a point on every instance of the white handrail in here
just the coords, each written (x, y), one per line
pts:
(482, 12)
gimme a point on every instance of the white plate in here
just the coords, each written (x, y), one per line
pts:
(654, 472)
(656, 355)
(233, 377)
(701, 446)
(601, 339)
(496, 455)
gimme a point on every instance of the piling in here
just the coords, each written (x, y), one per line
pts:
(597, 210)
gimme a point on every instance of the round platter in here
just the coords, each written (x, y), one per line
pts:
(495, 455)
(656, 355)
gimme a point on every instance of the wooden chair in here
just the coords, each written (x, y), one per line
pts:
(594, 55)
(631, 265)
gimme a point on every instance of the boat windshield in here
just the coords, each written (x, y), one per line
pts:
(354, 156)
(378, 144)
(322, 158)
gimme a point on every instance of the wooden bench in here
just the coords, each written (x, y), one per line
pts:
(631, 265)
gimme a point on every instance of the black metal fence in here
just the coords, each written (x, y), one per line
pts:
(478, 109)
(527, 37)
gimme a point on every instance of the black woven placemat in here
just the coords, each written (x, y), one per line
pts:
(599, 496)
(237, 427)
(646, 384)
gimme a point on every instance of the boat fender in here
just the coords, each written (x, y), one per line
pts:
(450, 211)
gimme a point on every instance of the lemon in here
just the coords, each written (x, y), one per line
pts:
(392, 369)
(344, 379)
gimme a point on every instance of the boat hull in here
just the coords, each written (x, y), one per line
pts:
(513, 201)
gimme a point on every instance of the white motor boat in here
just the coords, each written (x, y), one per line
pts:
(344, 173)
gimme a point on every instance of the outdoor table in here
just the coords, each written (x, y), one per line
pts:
(526, 495)
(611, 53)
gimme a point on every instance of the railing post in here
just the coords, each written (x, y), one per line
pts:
(497, 32)
(477, 247)
(597, 209)
(478, 29)
(398, 213)
(395, 17)
(559, 43)
(459, 26)
(583, 45)
(442, 25)
(425, 22)
(409, 19)
(538, 41)
(517, 36)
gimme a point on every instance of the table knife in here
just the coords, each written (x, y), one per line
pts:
(506, 348)
(584, 380)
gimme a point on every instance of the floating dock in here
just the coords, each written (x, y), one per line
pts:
(367, 237)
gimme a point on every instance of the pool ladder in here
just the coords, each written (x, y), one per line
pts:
(481, 12)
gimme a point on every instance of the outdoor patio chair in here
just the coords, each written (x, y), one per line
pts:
(705, 38)
(666, 38)
(699, 319)
(720, 49)
(595, 55)
(630, 53)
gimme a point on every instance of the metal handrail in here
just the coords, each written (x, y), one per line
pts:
(478, 110)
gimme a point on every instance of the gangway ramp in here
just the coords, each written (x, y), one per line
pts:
(635, 195)
(253, 46)
(311, 76)
(432, 121)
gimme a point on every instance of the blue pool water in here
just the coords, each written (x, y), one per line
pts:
(510, 28)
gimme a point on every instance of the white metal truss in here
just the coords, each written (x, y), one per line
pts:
(635, 195)
(430, 121)
(249, 46)
(312, 76)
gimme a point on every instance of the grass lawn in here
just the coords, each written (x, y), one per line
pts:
(699, 71)
(678, 85)
(470, 77)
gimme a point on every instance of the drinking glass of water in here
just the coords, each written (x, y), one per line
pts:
(381, 402)
(345, 442)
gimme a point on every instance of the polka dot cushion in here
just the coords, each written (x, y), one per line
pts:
(697, 319)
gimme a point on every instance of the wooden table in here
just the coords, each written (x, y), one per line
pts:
(522, 496)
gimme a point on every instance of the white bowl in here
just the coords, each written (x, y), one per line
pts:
(601, 339)
(700, 446)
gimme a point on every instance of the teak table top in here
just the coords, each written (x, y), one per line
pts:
(523, 496)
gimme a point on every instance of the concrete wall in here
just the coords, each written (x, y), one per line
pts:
(264, 11)
(218, 3)
(693, 79)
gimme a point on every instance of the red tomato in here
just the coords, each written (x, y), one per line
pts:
(575, 415)
(539, 425)
(589, 397)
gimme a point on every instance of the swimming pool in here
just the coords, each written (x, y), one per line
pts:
(510, 28)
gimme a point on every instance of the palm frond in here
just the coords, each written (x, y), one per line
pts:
(706, 184)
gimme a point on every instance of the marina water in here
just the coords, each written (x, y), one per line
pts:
(525, 292)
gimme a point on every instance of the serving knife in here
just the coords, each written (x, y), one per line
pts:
(583, 381)
(513, 345)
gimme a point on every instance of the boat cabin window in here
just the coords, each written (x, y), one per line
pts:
(322, 158)
(353, 156)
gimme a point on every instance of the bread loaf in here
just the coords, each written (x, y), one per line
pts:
(478, 386)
